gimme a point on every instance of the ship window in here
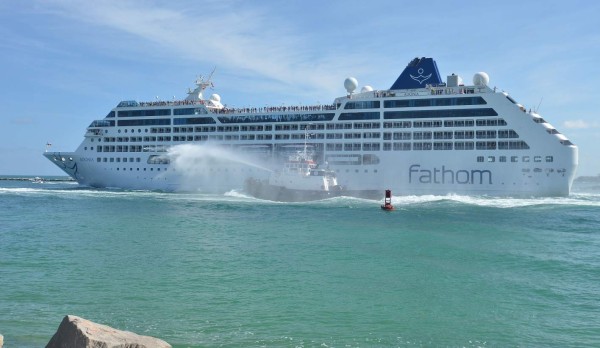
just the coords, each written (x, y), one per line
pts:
(434, 102)
(422, 146)
(507, 134)
(442, 146)
(371, 104)
(402, 146)
(518, 145)
(480, 158)
(525, 158)
(359, 116)
(549, 159)
(491, 158)
(502, 159)
(537, 158)
(485, 145)
(440, 113)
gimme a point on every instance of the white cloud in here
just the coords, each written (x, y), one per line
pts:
(580, 124)
(237, 38)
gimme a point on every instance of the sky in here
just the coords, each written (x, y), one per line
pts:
(65, 63)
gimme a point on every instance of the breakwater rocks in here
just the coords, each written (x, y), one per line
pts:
(76, 332)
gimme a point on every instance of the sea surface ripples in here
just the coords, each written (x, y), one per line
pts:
(229, 270)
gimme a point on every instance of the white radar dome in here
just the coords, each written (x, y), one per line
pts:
(481, 79)
(215, 97)
(350, 84)
(366, 89)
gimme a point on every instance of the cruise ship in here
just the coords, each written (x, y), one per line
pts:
(421, 136)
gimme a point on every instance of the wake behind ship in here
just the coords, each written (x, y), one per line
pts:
(420, 136)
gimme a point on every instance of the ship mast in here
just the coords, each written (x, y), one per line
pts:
(201, 85)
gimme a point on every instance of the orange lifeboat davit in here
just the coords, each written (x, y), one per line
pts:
(387, 203)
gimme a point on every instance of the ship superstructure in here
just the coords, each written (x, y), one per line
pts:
(421, 136)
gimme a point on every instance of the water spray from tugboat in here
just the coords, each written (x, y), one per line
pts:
(201, 166)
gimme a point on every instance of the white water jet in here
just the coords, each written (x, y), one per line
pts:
(209, 168)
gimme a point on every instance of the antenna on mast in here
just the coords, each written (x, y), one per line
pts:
(201, 85)
(538, 107)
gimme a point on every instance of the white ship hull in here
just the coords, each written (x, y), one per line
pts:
(435, 174)
(514, 153)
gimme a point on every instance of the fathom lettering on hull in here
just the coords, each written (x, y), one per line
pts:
(448, 176)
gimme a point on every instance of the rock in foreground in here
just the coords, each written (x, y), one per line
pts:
(76, 332)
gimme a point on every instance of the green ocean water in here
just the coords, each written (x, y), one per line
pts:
(231, 271)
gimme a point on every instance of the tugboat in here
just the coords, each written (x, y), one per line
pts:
(300, 180)
(387, 203)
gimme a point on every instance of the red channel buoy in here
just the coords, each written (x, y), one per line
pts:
(387, 203)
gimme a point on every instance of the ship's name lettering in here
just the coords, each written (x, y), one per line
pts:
(418, 174)
(86, 159)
